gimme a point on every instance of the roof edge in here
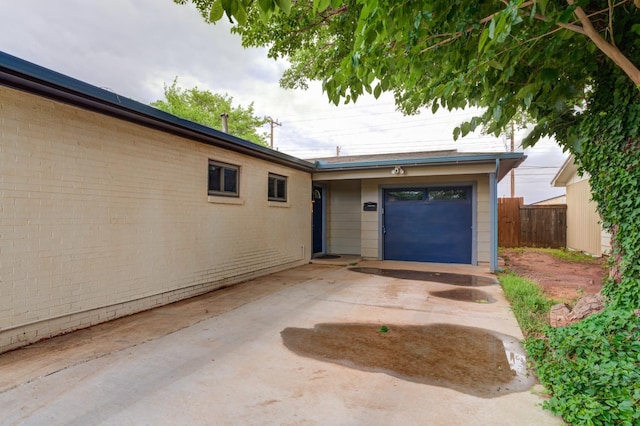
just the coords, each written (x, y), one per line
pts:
(568, 168)
(445, 160)
(22, 75)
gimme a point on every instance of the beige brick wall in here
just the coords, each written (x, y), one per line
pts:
(101, 218)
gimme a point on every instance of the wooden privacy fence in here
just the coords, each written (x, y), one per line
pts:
(531, 226)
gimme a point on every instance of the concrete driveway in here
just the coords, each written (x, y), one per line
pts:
(219, 359)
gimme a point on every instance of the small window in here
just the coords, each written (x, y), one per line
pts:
(406, 195)
(223, 179)
(456, 194)
(277, 187)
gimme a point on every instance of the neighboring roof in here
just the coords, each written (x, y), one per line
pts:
(505, 161)
(22, 75)
(565, 173)
(560, 199)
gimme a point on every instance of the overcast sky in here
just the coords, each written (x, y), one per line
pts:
(133, 47)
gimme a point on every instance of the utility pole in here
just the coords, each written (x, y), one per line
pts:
(273, 123)
(338, 151)
(513, 173)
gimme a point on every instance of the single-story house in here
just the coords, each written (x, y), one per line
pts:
(109, 207)
(584, 226)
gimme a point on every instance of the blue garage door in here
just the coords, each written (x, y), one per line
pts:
(428, 224)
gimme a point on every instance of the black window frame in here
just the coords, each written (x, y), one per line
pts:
(224, 169)
(273, 189)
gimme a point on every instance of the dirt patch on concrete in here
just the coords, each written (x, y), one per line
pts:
(560, 279)
(470, 360)
(58, 353)
(465, 280)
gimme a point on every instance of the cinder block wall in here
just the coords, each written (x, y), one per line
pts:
(101, 218)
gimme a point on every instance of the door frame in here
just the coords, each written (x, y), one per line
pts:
(323, 201)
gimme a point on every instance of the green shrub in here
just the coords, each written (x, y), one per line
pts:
(592, 369)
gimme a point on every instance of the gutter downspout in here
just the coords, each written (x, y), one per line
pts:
(493, 238)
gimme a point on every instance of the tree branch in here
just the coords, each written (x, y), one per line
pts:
(613, 41)
(608, 49)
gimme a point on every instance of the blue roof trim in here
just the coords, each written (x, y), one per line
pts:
(21, 74)
(453, 159)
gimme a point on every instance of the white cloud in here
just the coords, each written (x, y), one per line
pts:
(133, 47)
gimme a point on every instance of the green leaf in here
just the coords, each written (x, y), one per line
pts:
(216, 12)
(483, 39)
(495, 64)
(492, 28)
(497, 113)
(377, 91)
(241, 14)
(543, 5)
(266, 6)
(456, 133)
(285, 5)
(567, 14)
(321, 5)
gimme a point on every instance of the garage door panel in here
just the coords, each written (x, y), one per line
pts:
(423, 227)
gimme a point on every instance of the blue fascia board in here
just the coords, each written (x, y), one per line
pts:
(447, 160)
(14, 70)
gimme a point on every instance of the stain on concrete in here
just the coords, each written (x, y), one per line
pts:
(464, 295)
(439, 277)
(475, 361)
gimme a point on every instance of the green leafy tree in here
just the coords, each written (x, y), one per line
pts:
(570, 67)
(204, 107)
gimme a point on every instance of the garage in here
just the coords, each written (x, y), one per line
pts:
(428, 224)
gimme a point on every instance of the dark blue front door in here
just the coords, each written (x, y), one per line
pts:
(428, 224)
(318, 219)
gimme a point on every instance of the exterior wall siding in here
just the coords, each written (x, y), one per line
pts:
(343, 221)
(584, 231)
(102, 218)
(370, 231)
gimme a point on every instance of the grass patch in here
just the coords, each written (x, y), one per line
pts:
(563, 254)
(571, 256)
(528, 302)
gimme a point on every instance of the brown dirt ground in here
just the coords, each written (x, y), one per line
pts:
(559, 279)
